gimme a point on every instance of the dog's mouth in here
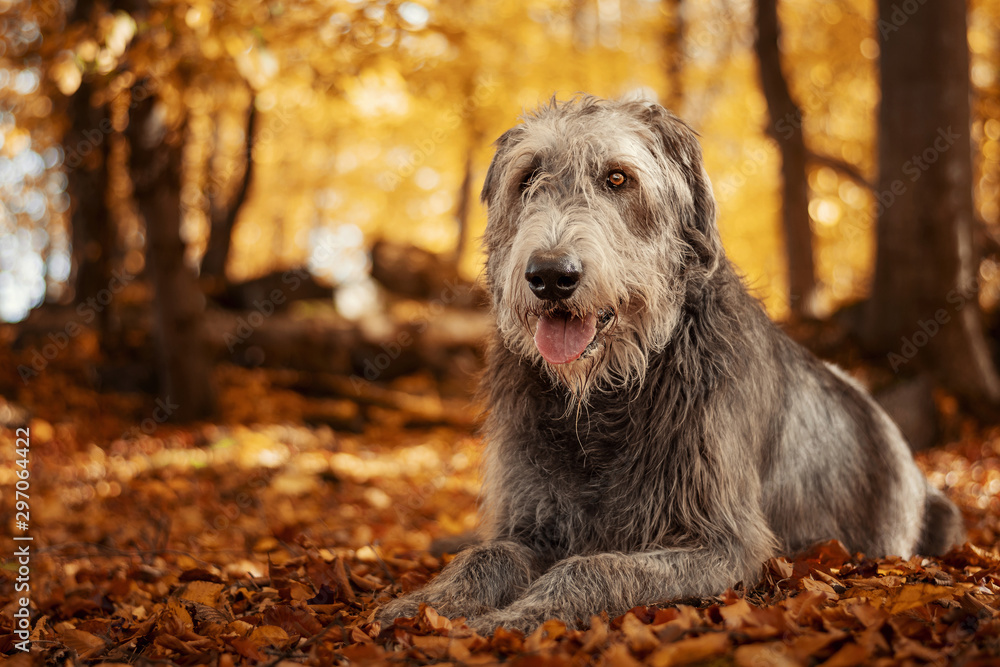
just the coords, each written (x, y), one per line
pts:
(563, 336)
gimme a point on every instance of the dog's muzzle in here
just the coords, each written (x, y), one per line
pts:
(564, 332)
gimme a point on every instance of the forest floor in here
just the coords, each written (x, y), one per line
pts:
(260, 539)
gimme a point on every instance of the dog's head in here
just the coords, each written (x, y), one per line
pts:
(601, 223)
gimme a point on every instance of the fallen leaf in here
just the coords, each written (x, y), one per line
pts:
(596, 635)
(82, 642)
(736, 614)
(687, 651)
(269, 635)
(915, 595)
(771, 654)
(618, 655)
(849, 655)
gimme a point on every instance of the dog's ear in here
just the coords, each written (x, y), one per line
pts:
(679, 144)
(493, 174)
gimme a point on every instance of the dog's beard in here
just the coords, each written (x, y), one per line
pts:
(577, 359)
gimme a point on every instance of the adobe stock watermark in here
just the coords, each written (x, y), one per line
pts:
(913, 169)
(292, 280)
(749, 167)
(161, 413)
(263, 309)
(94, 137)
(426, 147)
(418, 497)
(217, 182)
(898, 17)
(86, 311)
(927, 329)
(245, 501)
(374, 367)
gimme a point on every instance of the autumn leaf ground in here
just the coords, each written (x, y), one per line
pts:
(259, 539)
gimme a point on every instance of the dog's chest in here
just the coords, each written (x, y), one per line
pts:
(581, 465)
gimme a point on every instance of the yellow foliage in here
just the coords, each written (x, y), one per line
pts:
(369, 111)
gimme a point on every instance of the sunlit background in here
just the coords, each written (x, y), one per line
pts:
(370, 112)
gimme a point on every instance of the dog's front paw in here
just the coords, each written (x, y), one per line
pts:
(406, 606)
(487, 624)
(445, 605)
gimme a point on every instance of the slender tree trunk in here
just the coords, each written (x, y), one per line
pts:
(463, 207)
(184, 364)
(223, 215)
(86, 149)
(786, 128)
(673, 47)
(924, 311)
(583, 24)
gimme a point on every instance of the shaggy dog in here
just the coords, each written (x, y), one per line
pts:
(651, 433)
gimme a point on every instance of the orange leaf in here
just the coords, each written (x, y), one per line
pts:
(848, 656)
(618, 656)
(736, 614)
(596, 635)
(434, 619)
(821, 587)
(82, 642)
(638, 635)
(916, 595)
(434, 646)
(686, 651)
(772, 654)
(204, 592)
(269, 635)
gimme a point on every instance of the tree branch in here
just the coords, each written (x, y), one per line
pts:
(846, 168)
(223, 218)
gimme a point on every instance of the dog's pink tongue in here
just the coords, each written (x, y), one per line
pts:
(563, 338)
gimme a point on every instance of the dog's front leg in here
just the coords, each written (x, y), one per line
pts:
(577, 587)
(481, 579)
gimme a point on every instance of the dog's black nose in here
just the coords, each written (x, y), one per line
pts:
(553, 277)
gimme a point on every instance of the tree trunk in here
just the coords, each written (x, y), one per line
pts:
(924, 311)
(183, 361)
(786, 128)
(223, 216)
(86, 149)
(463, 205)
(673, 47)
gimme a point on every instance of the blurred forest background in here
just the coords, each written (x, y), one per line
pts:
(167, 167)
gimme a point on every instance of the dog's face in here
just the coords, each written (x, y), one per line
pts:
(601, 221)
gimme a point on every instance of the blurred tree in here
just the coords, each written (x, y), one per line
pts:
(223, 215)
(463, 207)
(94, 240)
(785, 127)
(673, 47)
(184, 365)
(924, 310)
(86, 146)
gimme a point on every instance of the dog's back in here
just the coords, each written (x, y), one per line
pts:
(842, 469)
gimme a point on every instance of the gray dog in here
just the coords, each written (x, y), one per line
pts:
(651, 434)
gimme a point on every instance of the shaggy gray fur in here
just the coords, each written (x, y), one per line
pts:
(692, 440)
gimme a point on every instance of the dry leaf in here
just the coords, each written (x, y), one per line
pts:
(639, 637)
(771, 654)
(687, 651)
(849, 655)
(82, 642)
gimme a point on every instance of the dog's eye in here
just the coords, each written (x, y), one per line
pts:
(617, 178)
(528, 179)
